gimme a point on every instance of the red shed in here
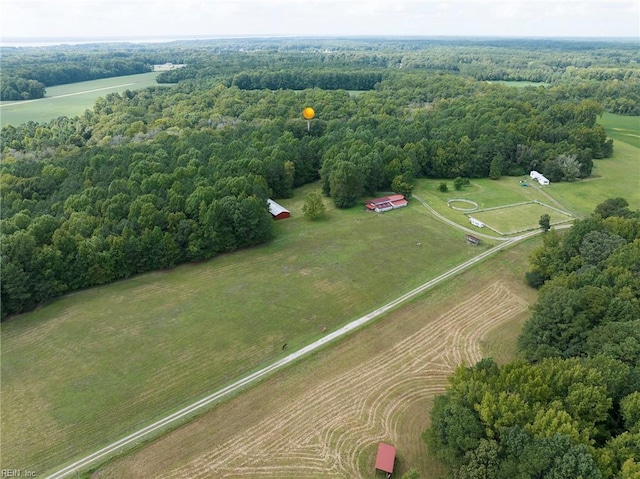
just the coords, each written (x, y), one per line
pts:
(472, 239)
(385, 458)
(278, 212)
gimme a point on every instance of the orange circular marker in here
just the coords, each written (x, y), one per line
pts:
(308, 113)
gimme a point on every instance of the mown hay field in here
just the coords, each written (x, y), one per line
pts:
(92, 367)
(324, 416)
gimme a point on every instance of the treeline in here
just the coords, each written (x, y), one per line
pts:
(16, 88)
(573, 408)
(608, 71)
(590, 301)
(97, 215)
(26, 73)
(164, 174)
(286, 69)
(301, 79)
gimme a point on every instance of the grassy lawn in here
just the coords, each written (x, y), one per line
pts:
(622, 128)
(90, 367)
(236, 431)
(611, 177)
(72, 99)
(489, 193)
(515, 219)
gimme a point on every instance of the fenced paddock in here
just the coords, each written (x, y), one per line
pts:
(519, 217)
(456, 202)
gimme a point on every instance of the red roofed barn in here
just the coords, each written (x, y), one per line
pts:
(385, 458)
(278, 212)
(386, 203)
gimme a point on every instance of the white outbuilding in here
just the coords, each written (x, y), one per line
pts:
(539, 177)
(476, 222)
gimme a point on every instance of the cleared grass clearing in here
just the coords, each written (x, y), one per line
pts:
(611, 177)
(518, 218)
(91, 367)
(622, 128)
(72, 99)
(486, 193)
(324, 416)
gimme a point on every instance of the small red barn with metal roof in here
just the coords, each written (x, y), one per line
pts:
(385, 458)
(278, 212)
(386, 203)
(472, 239)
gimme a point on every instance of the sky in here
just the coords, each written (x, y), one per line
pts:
(161, 19)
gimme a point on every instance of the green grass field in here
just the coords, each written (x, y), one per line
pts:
(515, 219)
(611, 177)
(622, 128)
(88, 368)
(71, 100)
(248, 417)
(489, 193)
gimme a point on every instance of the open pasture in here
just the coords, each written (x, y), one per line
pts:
(87, 369)
(324, 416)
(622, 128)
(512, 219)
(611, 177)
(72, 99)
(487, 194)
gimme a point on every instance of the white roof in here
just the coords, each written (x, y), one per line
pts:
(275, 209)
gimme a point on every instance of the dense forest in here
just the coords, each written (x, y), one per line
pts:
(27, 72)
(607, 71)
(571, 407)
(153, 178)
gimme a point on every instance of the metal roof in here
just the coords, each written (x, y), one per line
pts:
(275, 209)
(386, 457)
(386, 199)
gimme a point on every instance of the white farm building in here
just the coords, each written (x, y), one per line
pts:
(539, 177)
(476, 222)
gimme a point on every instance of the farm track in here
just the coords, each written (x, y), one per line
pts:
(25, 102)
(206, 402)
(456, 225)
(183, 414)
(357, 408)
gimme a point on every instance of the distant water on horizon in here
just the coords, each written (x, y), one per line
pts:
(18, 42)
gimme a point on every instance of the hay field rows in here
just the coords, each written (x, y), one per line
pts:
(325, 416)
(96, 365)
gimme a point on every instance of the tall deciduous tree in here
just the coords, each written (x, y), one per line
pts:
(313, 207)
(402, 186)
(346, 184)
(545, 223)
